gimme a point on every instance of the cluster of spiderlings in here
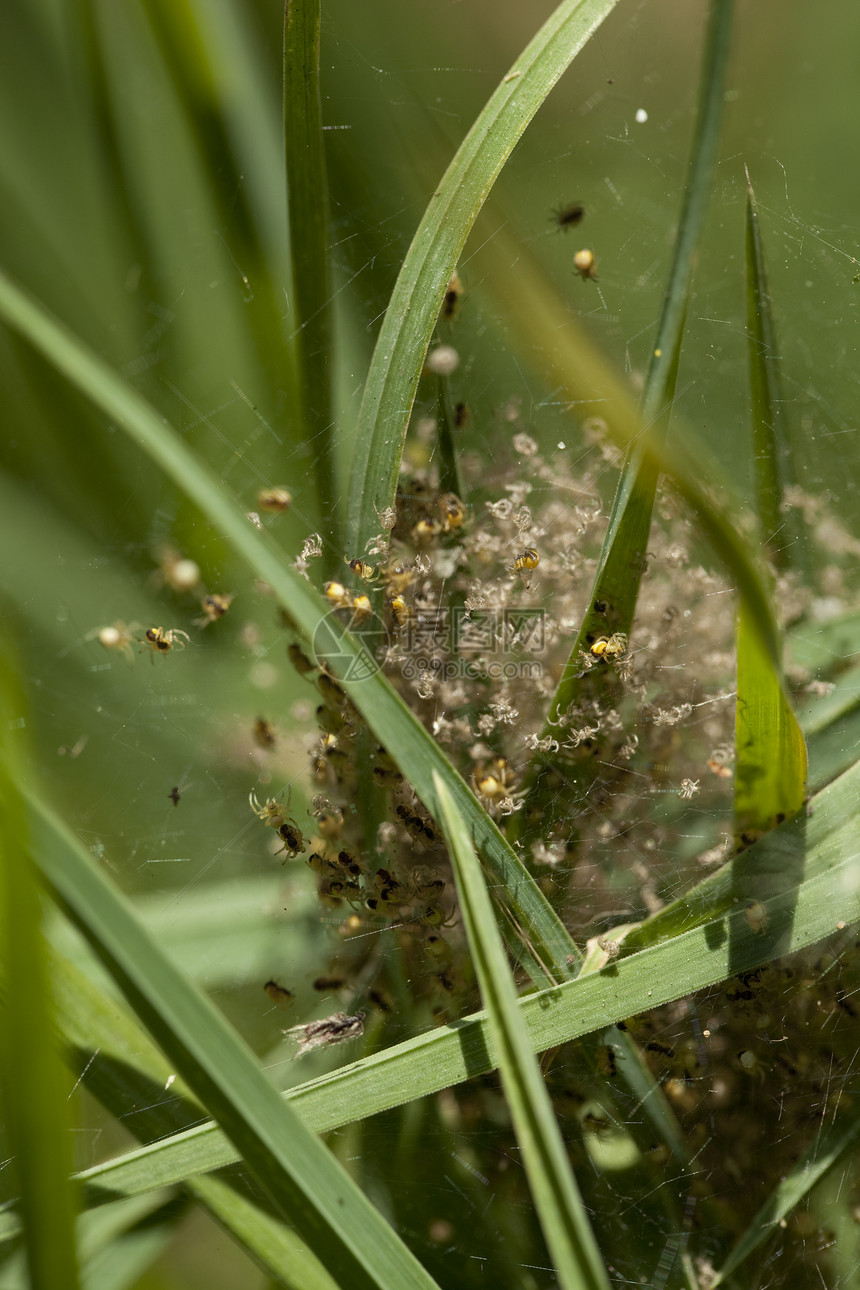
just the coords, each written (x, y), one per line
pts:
(478, 605)
(395, 883)
(482, 603)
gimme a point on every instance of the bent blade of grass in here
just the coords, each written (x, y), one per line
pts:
(439, 239)
(307, 195)
(33, 1088)
(305, 1183)
(828, 1149)
(682, 949)
(560, 1211)
(412, 747)
(572, 366)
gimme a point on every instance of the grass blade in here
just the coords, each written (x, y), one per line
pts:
(34, 1091)
(783, 539)
(307, 195)
(559, 1205)
(683, 948)
(621, 561)
(121, 1067)
(615, 591)
(439, 239)
(292, 1165)
(570, 364)
(770, 770)
(116, 1243)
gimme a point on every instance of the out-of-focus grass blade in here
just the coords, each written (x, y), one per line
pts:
(124, 1070)
(770, 766)
(439, 239)
(773, 473)
(819, 713)
(560, 1211)
(682, 949)
(830, 1146)
(831, 721)
(296, 1170)
(307, 193)
(115, 1243)
(825, 647)
(553, 956)
(232, 931)
(569, 363)
(622, 560)
(121, 1066)
(833, 746)
(272, 1245)
(35, 1093)
(121, 1262)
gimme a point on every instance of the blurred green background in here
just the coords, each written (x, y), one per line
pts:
(142, 200)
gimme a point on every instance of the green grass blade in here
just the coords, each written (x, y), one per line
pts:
(682, 949)
(566, 1229)
(414, 750)
(122, 1068)
(116, 1243)
(572, 366)
(770, 766)
(780, 526)
(622, 560)
(270, 1243)
(307, 194)
(296, 1170)
(426, 271)
(830, 1147)
(35, 1092)
(226, 934)
(824, 648)
(834, 732)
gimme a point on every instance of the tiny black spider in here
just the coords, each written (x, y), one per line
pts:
(568, 216)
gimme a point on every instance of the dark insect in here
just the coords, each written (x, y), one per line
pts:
(568, 216)
(278, 993)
